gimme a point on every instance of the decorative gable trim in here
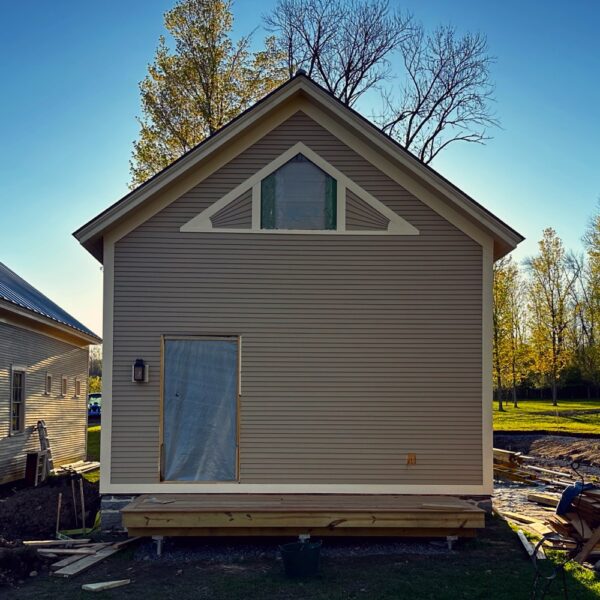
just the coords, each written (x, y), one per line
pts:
(203, 222)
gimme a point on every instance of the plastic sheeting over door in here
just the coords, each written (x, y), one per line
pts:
(200, 410)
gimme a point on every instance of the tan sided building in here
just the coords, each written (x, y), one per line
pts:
(298, 307)
(43, 377)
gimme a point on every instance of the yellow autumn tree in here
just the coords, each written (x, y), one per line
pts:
(586, 328)
(200, 84)
(550, 304)
(509, 344)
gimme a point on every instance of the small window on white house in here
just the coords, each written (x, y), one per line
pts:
(63, 386)
(48, 385)
(77, 388)
(17, 401)
(299, 195)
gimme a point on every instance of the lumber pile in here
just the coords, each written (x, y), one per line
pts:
(515, 466)
(75, 556)
(579, 528)
(81, 466)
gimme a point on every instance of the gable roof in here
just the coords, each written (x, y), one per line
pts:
(15, 291)
(506, 239)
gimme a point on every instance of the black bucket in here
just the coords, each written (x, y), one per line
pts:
(301, 559)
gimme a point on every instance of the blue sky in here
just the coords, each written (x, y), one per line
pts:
(69, 99)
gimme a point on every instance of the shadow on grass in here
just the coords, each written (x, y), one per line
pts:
(491, 567)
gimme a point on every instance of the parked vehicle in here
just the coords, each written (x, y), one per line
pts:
(94, 404)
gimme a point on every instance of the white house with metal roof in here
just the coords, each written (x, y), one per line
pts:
(43, 376)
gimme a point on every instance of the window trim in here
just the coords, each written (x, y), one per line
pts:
(23, 402)
(64, 386)
(396, 226)
(77, 393)
(48, 387)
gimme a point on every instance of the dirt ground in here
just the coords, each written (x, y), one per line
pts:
(554, 451)
(30, 513)
(229, 569)
(490, 567)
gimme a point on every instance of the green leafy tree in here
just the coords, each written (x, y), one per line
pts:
(201, 84)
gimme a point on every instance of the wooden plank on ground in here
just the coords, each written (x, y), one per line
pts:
(529, 547)
(69, 560)
(543, 499)
(580, 526)
(85, 563)
(55, 542)
(104, 585)
(588, 546)
(518, 517)
(126, 542)
(70, 551)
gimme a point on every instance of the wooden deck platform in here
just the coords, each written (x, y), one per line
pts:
(294, 514)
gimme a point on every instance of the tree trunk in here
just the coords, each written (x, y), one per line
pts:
(499, 397)
(514, 395)
(554, 397)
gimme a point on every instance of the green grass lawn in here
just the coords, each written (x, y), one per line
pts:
(491, 567)
(570, 416)
(93, 452)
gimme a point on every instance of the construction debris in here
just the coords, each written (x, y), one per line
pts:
(81, 466)
(515, 466)
(75, 556)
(574, 525)
(104, 585)
(529, 548)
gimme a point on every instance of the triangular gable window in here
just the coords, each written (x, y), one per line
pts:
(298, 192)
(298, 195)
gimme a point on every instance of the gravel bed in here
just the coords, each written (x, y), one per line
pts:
(512, 497)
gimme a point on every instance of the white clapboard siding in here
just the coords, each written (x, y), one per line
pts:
(356, 350)
(66, 417)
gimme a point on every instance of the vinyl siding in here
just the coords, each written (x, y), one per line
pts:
(237, 214)
(66, 418)
(355, 350)
(361, 216)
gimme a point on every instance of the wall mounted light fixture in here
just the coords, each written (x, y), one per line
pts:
(139, 371)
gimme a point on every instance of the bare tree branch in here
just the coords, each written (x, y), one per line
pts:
(447, 93)
(344, 45)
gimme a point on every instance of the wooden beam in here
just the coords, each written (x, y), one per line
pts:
(331, 520)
